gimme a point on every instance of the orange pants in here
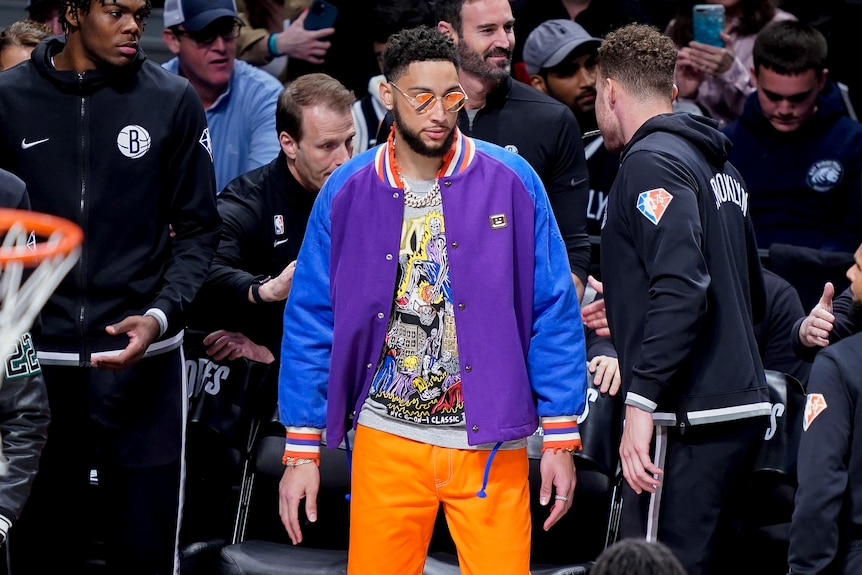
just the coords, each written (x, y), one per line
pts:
(396, 489)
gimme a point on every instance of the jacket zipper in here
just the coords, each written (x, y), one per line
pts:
(82, 308)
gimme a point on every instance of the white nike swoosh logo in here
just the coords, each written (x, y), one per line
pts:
(26, 145)
(278, 243)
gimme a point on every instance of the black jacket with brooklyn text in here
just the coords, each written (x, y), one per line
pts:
(682, 276)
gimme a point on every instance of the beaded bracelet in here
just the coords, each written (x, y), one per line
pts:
(297, 461)
(273, 49)
(570, 450)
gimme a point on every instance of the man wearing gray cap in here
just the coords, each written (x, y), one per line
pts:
(239, 98)
(560, 56)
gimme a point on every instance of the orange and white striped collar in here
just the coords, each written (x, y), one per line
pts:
(456, 159)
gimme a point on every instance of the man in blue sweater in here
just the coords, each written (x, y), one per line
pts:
(239, 98)
(799, 152)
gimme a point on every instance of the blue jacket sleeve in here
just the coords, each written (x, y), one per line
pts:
(306, 347)
(556, 361)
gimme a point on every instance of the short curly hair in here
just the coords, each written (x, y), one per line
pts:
(640, 58)
(419, 44)
(83, 6)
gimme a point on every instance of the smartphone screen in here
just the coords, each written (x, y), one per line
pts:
(321, 14)
(707, 22)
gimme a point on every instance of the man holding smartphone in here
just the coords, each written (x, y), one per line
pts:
(717, 78)
(276, 32)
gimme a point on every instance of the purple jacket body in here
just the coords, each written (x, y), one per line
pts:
(520, 338)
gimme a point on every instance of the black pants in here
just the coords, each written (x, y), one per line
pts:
(128, 426)
(699, 506)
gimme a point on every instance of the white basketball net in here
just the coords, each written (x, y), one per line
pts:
(23, 296)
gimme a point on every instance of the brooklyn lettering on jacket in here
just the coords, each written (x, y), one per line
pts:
(726, 189)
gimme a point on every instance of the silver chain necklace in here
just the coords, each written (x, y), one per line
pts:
(432, 198)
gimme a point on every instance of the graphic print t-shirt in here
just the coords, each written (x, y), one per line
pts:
(416, 390)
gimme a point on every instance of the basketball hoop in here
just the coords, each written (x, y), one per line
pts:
(45, 244)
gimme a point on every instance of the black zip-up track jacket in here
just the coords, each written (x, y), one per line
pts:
(124, 153)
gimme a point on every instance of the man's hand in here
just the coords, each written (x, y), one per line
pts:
(278, 288)
(815, 328)
(712, 60)
(607, 373)
(638, 468)
(308, 45)
(594, 315)
(302, 481)
(558, 471)
(688, 76)
(142, 330)
(232, 345)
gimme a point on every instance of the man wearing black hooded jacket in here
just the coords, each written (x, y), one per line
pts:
(683, 287)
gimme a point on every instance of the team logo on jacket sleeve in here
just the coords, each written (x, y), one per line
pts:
(814, 406)
(133, 141)
(653, 204)
(206, 142)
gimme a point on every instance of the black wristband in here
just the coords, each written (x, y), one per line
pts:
(255, 292)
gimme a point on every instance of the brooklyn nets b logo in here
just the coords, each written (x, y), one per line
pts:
(133, 141)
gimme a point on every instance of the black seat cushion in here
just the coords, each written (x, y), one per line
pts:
(269, 558)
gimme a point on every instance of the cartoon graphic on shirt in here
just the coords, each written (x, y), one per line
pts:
(418, 378)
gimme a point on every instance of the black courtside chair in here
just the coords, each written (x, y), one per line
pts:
(569, 548)
(769, 504)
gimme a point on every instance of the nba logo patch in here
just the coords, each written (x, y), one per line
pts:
(278, 223)
(815, 404)
(653, 203)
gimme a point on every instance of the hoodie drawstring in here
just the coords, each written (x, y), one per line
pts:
(349, 464)
(481, 493)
